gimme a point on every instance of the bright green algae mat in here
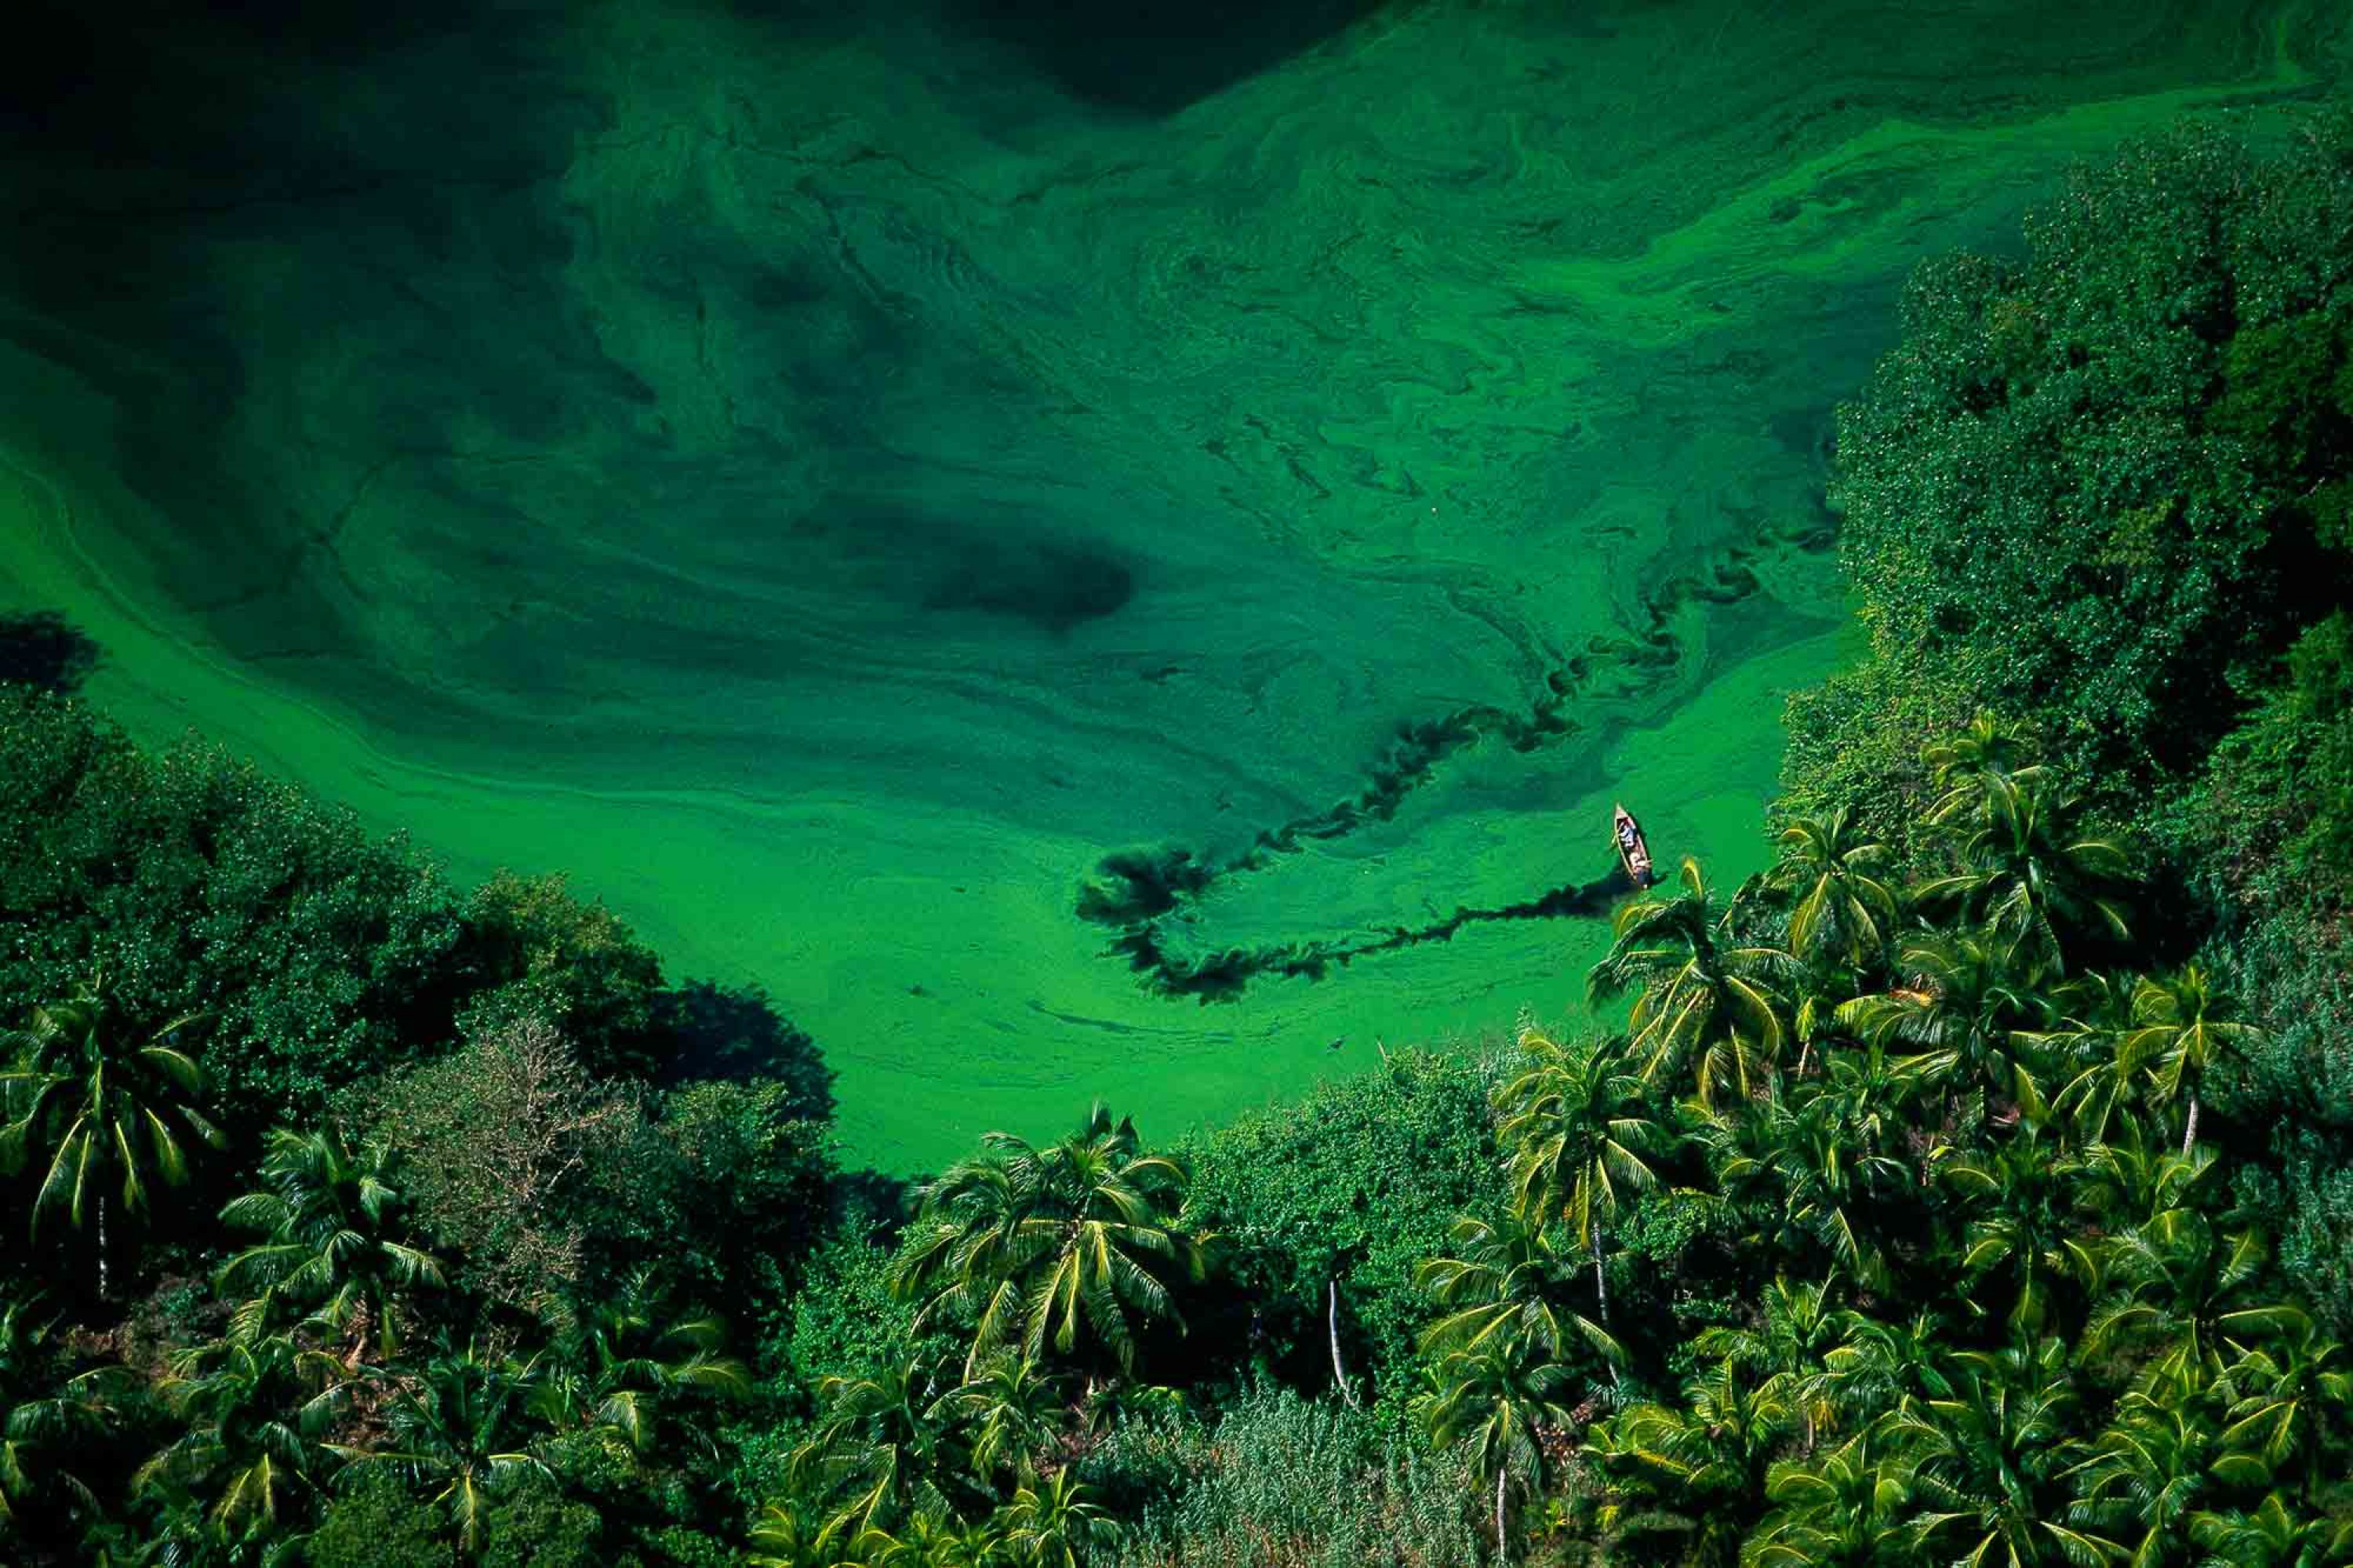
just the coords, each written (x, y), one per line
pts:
(828, 481)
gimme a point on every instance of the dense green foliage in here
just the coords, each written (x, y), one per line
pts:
(2102, 489)
(1971, 1186)
(472, 1162)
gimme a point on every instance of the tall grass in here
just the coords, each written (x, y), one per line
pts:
(1283, 1482)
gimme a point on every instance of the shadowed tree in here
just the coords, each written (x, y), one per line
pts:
(44, 650)
(258, 1411)
(457, 1425)
(2182, 1026)
(109, 1105)
(43, 1413)
(333, 1248)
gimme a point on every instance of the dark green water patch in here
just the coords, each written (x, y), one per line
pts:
(1135, 891)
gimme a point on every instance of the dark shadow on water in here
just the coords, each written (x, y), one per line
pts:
(1135, 890)
(868, 1203)
(1155, 57)
(1224, 975)
(43, 649)
(734, 1033)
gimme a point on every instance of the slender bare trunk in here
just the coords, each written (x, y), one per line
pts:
(1601, 1279)
(1339, 1372)
(2189, 1133)
(102, 1243)
(1501, 1557)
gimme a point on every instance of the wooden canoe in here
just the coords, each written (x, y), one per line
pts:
(1633, 850)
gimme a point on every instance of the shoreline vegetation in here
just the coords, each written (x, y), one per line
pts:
(1970, 1186)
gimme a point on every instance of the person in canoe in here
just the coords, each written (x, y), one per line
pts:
(1632, 849)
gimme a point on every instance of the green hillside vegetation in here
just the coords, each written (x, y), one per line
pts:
(1970, 1187)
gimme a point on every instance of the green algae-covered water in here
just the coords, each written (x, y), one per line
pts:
(1090, 549)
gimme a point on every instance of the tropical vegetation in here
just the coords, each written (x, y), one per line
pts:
(1969, 1186)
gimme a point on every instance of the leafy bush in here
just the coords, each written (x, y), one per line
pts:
(1284, 1482)
(1357, 1182)
(195, 884)
(2091, 487)
(373, 1523)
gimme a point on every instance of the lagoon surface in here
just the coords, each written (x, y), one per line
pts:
(829, 476)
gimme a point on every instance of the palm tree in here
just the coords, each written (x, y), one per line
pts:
(1051, 1521)
(1842, 907)
(1499, 1398)
(2280, 1396)
(2179, 1281)
(1797, 1330)
(2274, 1535)
(329, 1218)
(107, 1103)
(2092, 1040)
(1877, 1366)
(42, 1412)
(458, 1425)
(2183, 1026)
(1501, 1289)
(1866, 1092)
(2146, 1474)
(880, 1455)
(1967, 1014)
(2016, 1226)
(1576, 1131)
(2125, 1181)
(930, 1543)
(616, 1364)
(2028, 880)
(1796, 1174)
(1708, 1457)
(1064, 1245)
(1978, 758)
(1013, 1409)
(786, 1535)
(1842, 1508)
(258, 1409)
(1986, 1458)
(1699, 993)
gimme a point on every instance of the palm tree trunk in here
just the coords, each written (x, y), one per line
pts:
(1500, 1557)
(2189, 1133)
(1601, 1279)
(1339, 1372)
(102, 1243)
